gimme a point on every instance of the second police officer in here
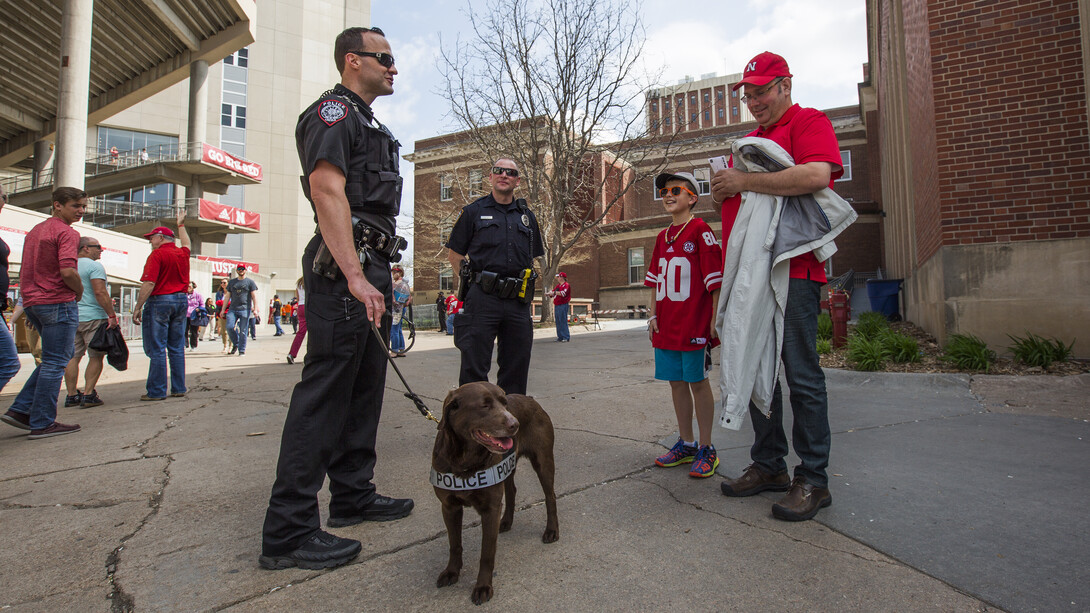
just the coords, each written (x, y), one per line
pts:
(350, 168)
(500, 237)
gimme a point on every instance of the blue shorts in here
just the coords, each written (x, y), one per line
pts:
(689, 366)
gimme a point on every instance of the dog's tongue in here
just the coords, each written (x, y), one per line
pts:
(506, 443)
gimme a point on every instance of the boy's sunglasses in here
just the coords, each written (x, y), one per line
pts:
(674, 191)
(385, 59)
(499, 170)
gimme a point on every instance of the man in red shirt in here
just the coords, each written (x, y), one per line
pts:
(561, 295)
(806, 134)
(165, 279)
(50, 285)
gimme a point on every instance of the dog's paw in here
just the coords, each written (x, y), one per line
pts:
(505, 525)
(482, 594)
(550, 536)
(447, 577)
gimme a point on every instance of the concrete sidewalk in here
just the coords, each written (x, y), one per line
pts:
(949, 494)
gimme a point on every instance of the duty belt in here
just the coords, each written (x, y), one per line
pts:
(371, 238)
(492, 283)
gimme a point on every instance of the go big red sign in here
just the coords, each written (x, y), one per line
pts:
(219, 157)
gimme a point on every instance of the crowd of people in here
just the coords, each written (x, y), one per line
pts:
(356, 297)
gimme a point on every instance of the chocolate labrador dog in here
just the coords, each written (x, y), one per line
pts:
(482, 434)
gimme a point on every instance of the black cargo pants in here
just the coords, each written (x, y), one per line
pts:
(489, 320)
(334, 412)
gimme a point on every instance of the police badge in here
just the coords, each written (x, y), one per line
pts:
(332, 111)
(526, 220)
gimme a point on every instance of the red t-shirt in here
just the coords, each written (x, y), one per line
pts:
(806, 134)
(684, 273)
(453, 305)
(168, 268)
(47, 248)
(561, 294)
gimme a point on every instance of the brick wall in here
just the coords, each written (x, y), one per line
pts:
(1011, 122)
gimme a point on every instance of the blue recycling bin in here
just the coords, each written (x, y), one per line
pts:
(884, 295)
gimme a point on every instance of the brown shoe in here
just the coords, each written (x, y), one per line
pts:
(802, 502)
(754, 481)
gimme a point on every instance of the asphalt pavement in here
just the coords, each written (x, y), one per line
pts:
(950, 493)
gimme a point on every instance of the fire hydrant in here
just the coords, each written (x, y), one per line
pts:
(840, 311)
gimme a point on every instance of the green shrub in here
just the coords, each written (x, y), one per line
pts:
(871, 324)
(901, 348)
(1036, 351)
(968, 352)
(824, 346)
(866, 353)
(825, 326)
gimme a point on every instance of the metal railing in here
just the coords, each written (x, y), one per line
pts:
(101, 162)
(106, 213)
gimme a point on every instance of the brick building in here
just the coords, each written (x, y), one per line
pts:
(981, 112)
(609, 266)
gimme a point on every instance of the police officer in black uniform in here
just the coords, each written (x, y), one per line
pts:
(350, 166)
(500, 237)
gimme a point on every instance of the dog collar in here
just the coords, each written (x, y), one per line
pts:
(481, 479)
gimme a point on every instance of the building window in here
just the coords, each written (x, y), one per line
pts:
(446, 279)
(665, 105)
(667, 122)
(734, 93)
(476, 181)
(734, 111)
(654, 106)
(233, 115)
(720, 112)
(692, 118)
(446, 191)
(636, 268)
(444, 233)
(703, 180)
(692, 100)
(846, 162)
(707, 115)
(719, 95)
(707, 97)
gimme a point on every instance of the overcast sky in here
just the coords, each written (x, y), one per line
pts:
(824, 43)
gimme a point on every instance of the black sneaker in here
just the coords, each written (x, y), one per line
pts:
(323, 550)
(73, 400)
(382, 508)
(91, 400)
(291, 359)
(233, 350)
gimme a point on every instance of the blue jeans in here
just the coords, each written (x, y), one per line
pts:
(450, 324)
(561, 312)
(238, 336)
(9, 357)
(397, 340)
(810, 434)
(56, 323)
(163, 327)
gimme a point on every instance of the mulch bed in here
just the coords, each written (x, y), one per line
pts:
(930, 362)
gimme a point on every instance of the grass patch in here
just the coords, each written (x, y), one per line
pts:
(968, 352)
(825, 326)
(866, 354)
(871, 325)
(824, 346)
(901, 348)
(1036, 351)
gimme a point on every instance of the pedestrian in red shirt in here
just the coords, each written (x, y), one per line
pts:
(50, 284)
(163, 296)
(807, 135)
(561, 295)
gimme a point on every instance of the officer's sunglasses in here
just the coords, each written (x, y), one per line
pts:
(385, 59)
(674, 191)
(500, 170)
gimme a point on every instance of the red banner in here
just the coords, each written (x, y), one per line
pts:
(222, 267)
(215, 211)
(219, 157)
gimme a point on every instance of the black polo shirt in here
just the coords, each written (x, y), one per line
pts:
(499, 238)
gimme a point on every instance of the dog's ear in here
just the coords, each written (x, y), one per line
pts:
(451, 402)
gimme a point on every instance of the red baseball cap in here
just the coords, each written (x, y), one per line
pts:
(161, 231)
(762, 69)
(560, 274)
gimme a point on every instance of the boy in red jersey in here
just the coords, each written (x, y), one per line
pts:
(686, 272)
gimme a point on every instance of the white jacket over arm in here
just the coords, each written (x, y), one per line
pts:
(767, 233)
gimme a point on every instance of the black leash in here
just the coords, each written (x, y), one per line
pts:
(409, 393)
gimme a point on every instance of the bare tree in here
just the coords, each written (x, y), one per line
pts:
(555, 85)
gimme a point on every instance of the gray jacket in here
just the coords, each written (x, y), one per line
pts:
(767, 233)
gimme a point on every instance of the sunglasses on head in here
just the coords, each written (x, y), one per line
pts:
(499, 170)
(385, 59)
(674, 191)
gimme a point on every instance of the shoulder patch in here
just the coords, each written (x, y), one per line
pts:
(332, 111)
